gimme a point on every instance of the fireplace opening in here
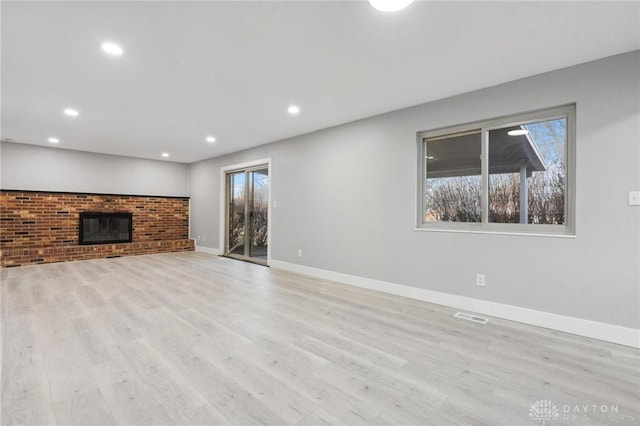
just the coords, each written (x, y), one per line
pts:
(105, 228)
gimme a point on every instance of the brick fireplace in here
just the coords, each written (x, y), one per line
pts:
(42, 227)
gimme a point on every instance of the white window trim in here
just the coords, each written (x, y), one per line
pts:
(565, 111)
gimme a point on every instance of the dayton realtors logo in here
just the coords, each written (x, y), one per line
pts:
(546, 411)
(543, 411)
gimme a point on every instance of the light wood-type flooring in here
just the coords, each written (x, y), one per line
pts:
(194, 339)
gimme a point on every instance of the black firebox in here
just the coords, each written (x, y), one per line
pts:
(105, 228)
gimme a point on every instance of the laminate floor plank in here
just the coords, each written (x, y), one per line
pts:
(16, 294)
(90, 296)
(287, 403)
(166, 385)
(90, 341)
(319, 418)
(347, 407)
(133, 314)
(288, 352)
(214, 329)
(86, 409)
(131, 403)
(66, 361)
(194, 339)
(26, 398)
(112, 325)
(399, 401)
(70, 304)
(205, 415)
(362, 369)
(237, 404)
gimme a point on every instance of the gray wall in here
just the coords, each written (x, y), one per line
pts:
(37, 168)
(346, 196)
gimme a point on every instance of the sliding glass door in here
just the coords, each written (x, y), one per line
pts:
(247, 220)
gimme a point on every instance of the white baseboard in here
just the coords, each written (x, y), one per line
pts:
(209, 250)
(592, 329)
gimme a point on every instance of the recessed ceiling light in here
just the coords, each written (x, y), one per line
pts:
(389, 5)
(428, 157)
(517, 132)
(293, 109)
(71, 112)
(210, 139)
(111, 48)
(165, 154)
(53, 140)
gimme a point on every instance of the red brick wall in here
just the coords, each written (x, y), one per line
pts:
(42, 227)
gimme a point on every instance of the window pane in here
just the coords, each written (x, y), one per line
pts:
(237, 191)
(453, 183)
(259, 209)
(527, 173)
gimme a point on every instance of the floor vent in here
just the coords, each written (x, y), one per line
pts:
(470, 317)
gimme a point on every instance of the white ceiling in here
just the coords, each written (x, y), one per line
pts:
(231, 69)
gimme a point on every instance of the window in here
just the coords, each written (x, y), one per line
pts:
(513, 174)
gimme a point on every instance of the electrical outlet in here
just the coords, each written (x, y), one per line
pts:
(275, 204)
(198, 237)
(634, 198)
(204, 238)
(480, 280)
(299, 252)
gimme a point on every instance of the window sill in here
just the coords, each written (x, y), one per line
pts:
(495, 232)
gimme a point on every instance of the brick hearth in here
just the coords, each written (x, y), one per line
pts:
(42, 227)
